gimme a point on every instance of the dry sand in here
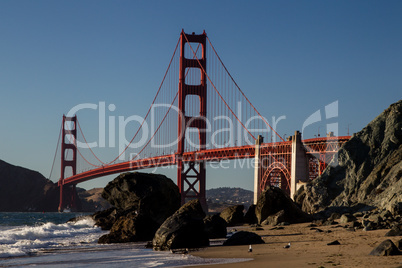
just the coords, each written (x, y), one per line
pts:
(308, 248)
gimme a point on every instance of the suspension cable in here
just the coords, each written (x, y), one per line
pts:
(79, 126)
(177, 94)
(209, 41)
(209, 79)
(55, 154)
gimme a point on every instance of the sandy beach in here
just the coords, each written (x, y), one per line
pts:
(308, 248)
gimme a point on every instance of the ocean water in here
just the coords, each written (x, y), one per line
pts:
(48, 240)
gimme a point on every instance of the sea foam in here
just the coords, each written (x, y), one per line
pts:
(28, 240)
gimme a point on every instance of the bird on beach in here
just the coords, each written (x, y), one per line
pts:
(250, 249)
(287, 246)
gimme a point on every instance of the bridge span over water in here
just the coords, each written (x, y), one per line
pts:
(201, 110)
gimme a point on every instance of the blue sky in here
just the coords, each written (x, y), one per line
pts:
(291, 58)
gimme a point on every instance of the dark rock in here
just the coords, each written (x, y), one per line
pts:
(395, 231)
(275, 219)
(317, 230)
(131, 227)
(106, 218)
(184, 229)
(376, 219)
(367, 170)
(273, 200)
(386, 214)
(143, 201)
(398, 244)
(396, 209)
(386, 248)
(346, 218)
(233, 215)
(358, 214)
(250, 216)
(334, 216)
(215, 226)
(333, 243)
(356, 225)
(152, 194)
(329, 223)
(243, 238)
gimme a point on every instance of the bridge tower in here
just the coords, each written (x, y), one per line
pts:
(189, 176)
(68, 160)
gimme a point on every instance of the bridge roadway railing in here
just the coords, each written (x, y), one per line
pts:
(317, 145)
(166, 160)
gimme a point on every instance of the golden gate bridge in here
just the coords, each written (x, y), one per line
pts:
(198, 115)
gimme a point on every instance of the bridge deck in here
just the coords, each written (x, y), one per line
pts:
(313, 146)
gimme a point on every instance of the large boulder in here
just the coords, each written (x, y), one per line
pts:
(272, 200)
(215, 226)
(130, 227)
(152, 194)
(367, 170)
(184, 229)
(395, 231)
(250, 216)
(386, 248)
(233, 215)
(142, 203)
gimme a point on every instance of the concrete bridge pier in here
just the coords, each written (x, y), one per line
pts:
(257, 168)
(299, 165)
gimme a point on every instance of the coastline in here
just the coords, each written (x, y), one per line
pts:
(308, 248)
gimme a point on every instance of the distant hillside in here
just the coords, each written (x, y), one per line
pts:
(217, 199)
(23, 190)
(220, 198)
(94, 198)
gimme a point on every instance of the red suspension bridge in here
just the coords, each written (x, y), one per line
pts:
(199, 115)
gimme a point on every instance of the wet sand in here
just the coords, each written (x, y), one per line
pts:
(308, 248)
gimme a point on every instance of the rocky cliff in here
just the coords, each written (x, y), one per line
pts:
(23, 189)
(369, 169)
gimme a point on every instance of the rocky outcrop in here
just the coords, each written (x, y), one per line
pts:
(142, 203)
(233, 215)
(106, 218)
(26, 190)
(243, 238)
(273, 200)
(184, 229)
(368, 169)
